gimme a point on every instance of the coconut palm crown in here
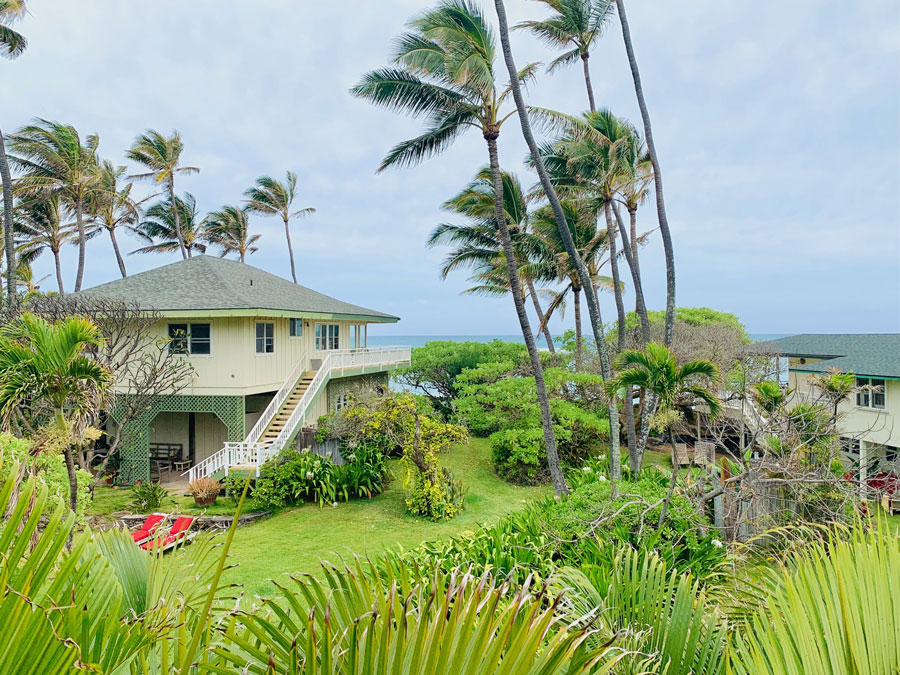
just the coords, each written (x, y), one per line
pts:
(229, 229)
(272, 197)
(54, 160)
(159, 227)
(162, 155)
(573, 26)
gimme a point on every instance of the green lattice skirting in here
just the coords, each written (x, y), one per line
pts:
(134, 452)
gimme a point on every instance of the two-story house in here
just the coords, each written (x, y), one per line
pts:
(269, 357)
(870, 418)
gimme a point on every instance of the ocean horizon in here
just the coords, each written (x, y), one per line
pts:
(421, 340)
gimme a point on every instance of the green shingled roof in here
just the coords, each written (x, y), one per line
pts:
(874, 354)
(206, 283)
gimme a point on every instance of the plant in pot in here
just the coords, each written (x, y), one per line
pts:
(204, 491)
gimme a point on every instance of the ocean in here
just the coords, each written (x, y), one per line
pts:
(420, 340)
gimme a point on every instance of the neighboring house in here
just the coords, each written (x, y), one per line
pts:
(870, 420)
(269, 358)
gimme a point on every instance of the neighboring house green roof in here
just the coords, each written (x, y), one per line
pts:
(874, 354)
(210, 284)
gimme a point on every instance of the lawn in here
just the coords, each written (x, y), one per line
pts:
(295, 539)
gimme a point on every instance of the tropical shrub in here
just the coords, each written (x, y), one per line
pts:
(146, 497)
(439, 498)
(48, 468)
(516, 546)
(294, 477)
(590, 524)
(518, 455)
(404, 424)
(434, 368)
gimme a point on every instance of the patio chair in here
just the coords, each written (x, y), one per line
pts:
(704, 453)
(177, 533)
(154, 520)
(683, 454)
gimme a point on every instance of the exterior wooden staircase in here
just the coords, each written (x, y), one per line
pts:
(287, 408)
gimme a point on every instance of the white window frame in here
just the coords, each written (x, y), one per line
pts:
(257, 338)
(330, 338)
(188, 339)
(865, 398)
(295, 322)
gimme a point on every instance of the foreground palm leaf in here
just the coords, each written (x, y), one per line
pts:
(359, 621)
(830, 608)
(60, 611)
(662, 617)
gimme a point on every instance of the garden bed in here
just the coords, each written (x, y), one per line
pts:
(131, 521)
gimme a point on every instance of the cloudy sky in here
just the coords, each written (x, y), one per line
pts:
(776, 124)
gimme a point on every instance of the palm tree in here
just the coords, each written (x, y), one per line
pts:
(654, 368)
(228, 229)
(574, 26)
(12, 44)
(476, 245)
(592, 245)
(48, 365)
(444, 72)
(55, 161)
(113, 206)
(162, 156)
(42, 224)
(565, 235)
(272, 197)
(160, 227)
(657, 176)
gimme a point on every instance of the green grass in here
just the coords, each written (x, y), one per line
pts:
(295, 539)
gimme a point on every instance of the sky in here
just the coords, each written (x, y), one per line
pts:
(777, 126)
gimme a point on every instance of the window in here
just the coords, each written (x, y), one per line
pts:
(327, 336)
(191, 339)
(178, 342)
(341, 401)
(871, 393)
(890, 453)
(199, 342)
(358, 336)
(265, 338)
(296, 328)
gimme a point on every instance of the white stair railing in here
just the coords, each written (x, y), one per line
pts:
(275, 404)
(250, 452)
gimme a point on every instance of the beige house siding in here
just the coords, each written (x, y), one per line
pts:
(234, 367)
(868, 424)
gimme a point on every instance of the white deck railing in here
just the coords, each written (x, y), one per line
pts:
(250, 452)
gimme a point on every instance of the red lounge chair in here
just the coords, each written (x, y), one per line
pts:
(154, 520)
(179, 532)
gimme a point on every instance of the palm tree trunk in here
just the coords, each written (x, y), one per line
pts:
(556, 474)
(657, 177)
(115, 245)
(177, 219)
(287, 235)
(636, 451)
(632, 221)
(628, 402)
(587, 81)
(630, 251)
(532, 291)
(565, 235)
(59, 276)
(73, 478)
(579, 341)
(82, 243)
(8, 235)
